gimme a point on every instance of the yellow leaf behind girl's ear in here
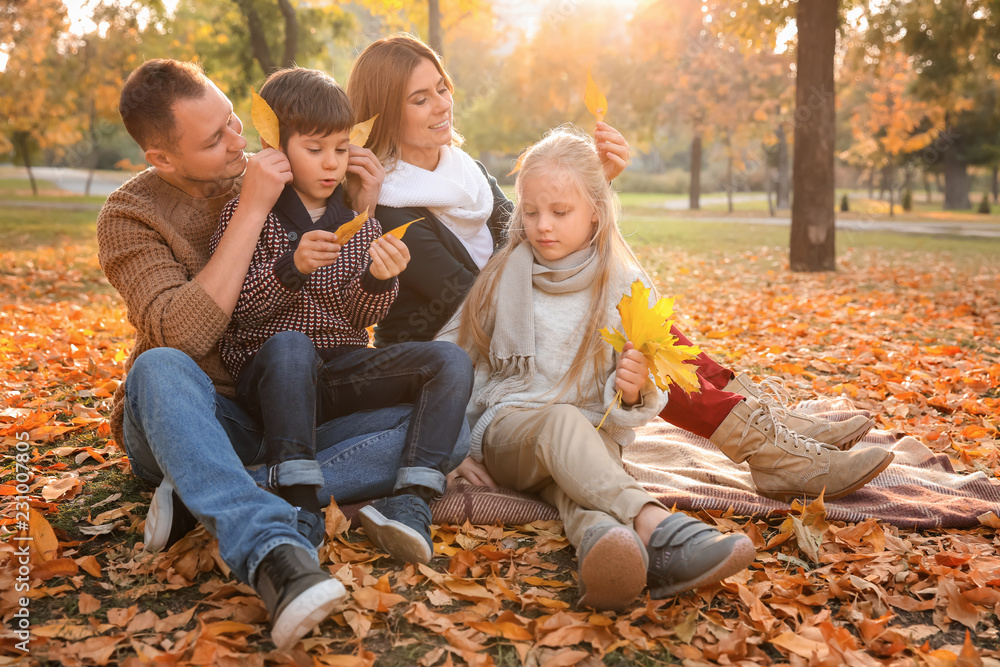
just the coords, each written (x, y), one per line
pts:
(347, 230)
(596, 103)
(264, 120)
(361, 131)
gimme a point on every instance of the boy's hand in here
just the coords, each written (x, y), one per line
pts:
(266, 175)
(632, 374)
(317, 249)
(612, 149)
(389, 257)
(369, 172)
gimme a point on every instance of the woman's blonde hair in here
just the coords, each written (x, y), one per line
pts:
(378, 83)
(569, 153)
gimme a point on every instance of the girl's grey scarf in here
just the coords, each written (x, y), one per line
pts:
(512, 345)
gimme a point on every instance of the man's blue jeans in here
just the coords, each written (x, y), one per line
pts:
(178, 428)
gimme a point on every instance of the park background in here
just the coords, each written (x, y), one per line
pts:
(883, 119)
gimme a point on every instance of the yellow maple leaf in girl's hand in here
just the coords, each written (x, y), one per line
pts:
(347, 230)
(264, 120)
(361, 131)
(595, 100)
(649, 330)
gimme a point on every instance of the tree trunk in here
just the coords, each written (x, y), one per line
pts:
(694, 188)
(729, 174)
(956, 180)
(93, 147)
(927, 186)
(291, 32)
(21, 140)
(887, 184)
(784, 172)
(767, 183)
(434, 32)
(871, 182)
(996, 183)
(813, 242)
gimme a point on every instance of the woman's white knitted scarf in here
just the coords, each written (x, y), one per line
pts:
(456, 193)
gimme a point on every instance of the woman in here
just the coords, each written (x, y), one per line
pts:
(459, 211)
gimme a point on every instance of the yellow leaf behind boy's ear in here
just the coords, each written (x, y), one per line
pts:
(347, 230)
(595, 100)
(264, 120)
(361, 131)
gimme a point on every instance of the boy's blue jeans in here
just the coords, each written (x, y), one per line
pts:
(292, 387)
(178, 428)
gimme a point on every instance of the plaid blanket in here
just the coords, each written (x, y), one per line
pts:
(919, 490)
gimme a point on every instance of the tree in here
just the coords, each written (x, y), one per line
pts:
(812, 244)
(37, 101)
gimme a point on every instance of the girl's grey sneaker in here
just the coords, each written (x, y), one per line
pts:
(400, 526)
(297, 593)
(168, 519)
(612, 562)
(685, 553)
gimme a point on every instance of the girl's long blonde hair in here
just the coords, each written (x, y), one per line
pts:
(572, 154)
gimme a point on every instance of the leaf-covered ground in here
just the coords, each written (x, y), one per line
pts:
(911, 336)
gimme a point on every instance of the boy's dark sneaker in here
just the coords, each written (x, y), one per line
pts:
(311, 526)
(297, 593)
(612, 562)
(685, 553)
(400, 526)
(168, 519)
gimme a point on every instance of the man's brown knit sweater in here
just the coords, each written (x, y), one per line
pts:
(152, 239)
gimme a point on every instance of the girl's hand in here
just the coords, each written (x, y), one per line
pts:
(364, 189)
(389, 257)
(632, 373)
(318, 248)
(474, 472)
(612, 149)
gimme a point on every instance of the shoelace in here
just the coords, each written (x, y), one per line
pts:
(774, 388)
(764, 416)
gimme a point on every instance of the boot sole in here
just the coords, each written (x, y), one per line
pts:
(739, 559)
(788, 496)
(305, 612)
(396, 539)
(613, 571)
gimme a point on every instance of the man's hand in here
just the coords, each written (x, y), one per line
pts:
(389, 257)
(632, 373)
(363, 189)
(266, 175)
(317, 249)
(612, 149)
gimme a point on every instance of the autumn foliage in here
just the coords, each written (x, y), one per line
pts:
(912, 338)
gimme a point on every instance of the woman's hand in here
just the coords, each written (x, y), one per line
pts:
(632, 373)
(612, 149)
(389, 257)
(369, 173)
(474, 472)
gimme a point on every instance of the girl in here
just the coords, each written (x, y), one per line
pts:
(544, 378)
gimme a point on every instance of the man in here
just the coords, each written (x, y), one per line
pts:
(174, 412)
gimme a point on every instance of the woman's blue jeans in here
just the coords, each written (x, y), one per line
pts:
(178, 428)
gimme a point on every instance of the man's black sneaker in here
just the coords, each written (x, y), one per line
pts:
(400, 526)
(297, 593)
(168, 519)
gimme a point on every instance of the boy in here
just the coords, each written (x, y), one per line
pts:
(297, 344)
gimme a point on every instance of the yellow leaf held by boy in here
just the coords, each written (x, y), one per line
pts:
(347, 230)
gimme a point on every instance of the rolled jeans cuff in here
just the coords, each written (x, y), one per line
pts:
(419, 476)
(296, 471)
